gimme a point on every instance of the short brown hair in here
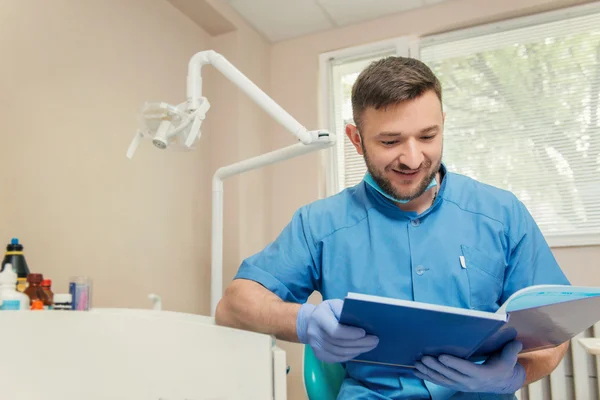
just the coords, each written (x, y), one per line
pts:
(390, 81)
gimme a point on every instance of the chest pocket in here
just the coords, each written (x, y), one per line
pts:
(486, 278)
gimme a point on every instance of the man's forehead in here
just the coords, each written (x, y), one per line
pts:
(388, 124)
(425, 130)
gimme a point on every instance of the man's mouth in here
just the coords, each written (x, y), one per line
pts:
(406, 173)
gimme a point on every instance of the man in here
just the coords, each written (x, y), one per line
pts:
(410, 230)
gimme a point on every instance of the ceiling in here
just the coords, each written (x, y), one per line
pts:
(286, 19)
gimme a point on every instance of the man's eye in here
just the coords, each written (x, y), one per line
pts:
(389, 143)
(428, 137)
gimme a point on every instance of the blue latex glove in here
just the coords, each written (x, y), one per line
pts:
(331, 341)
(500, 374)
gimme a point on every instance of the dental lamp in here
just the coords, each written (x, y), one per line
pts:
(177, 127)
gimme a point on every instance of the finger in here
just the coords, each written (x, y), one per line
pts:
(424, 377)
(464, 367)
(355, 346)
(433, 376)
(367, 341)
(344, 353)
(329, 324)
(432, 380)
(340, 352)
(510, 352)
(344, 332)
(433, 364)
(336, 305)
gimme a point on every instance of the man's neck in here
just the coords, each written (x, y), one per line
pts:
(424, 201)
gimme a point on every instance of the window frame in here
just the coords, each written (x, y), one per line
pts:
(410, 46)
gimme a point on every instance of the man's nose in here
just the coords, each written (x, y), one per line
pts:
(411, 156)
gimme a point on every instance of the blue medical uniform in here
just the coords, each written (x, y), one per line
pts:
(359, 241)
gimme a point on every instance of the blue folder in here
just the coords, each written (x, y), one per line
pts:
(538, 316)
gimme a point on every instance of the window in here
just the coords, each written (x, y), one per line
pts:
(523, 113)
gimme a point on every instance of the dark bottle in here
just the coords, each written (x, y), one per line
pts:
(14, 256)
(35, 291)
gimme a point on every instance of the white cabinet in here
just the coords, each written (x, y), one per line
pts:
(134, 354)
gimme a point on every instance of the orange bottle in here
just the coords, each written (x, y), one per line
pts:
(47, 286)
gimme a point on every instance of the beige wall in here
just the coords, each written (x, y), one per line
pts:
(295, 85)
(73, 75)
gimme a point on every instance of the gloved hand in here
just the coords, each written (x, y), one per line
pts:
(331, 341)
(500, 374)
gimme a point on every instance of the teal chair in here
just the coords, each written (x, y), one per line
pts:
(322, 381)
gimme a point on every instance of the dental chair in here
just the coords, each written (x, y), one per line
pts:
(322, 381)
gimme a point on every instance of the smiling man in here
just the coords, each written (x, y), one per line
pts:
(410, 230)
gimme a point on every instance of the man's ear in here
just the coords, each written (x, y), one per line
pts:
(354, 136)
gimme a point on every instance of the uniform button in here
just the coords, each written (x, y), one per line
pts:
(415, 222)
(420, 270)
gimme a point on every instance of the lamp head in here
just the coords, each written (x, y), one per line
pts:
(160, 143)
(168, 126)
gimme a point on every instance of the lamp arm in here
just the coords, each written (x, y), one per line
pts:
(194, 91)
(194, 110)
(216, 273)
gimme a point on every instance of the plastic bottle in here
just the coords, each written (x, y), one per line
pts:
(35, 290)
(14, 256)
(11, 298)
(80, 288)
(47, 286)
